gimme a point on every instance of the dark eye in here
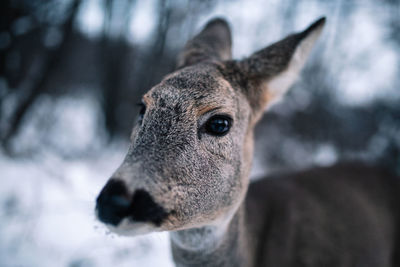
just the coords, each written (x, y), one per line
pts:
(141, 112)
(218, 125)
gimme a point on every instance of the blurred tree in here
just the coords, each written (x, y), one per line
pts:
(41, 60)
(43, 52)
(114, 49)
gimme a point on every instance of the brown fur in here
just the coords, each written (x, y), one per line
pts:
(201, 180)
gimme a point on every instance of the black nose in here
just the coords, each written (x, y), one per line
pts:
(113, 204)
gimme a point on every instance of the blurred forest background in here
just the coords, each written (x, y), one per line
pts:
(71, 73)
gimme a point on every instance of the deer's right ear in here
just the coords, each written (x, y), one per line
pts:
(214, 42)
(267, 74)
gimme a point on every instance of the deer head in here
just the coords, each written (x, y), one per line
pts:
(191, 149)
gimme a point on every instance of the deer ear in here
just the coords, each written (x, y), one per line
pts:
(271, 71)
(212, 43)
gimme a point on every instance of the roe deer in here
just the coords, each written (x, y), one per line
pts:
(188, 164)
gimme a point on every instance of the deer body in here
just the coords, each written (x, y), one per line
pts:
(344, 215)
(188, 165)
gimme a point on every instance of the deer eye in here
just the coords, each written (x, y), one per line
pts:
(141, 112)
(218, 125)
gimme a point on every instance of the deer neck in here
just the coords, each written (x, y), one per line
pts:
(222, 245)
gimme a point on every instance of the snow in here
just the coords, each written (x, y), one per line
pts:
(370, 61)
(91, 18)
(47, 200)
(47, 216)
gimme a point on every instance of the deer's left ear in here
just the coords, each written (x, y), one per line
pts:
(269, 73)
(212, 43)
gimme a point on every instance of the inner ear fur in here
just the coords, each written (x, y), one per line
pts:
(268, 73)
(214, 42)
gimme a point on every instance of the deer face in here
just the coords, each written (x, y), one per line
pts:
(190, 155)
(187, 152)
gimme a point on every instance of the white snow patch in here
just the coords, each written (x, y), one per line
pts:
(325, 155)
(48, 219)
(91, 17)
(366, 63)
(142, 22)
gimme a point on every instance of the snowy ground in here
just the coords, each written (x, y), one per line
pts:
(47, 216)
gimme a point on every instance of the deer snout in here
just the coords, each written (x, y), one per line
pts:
(114, 203)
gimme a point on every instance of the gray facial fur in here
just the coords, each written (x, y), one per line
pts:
(345, 215)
